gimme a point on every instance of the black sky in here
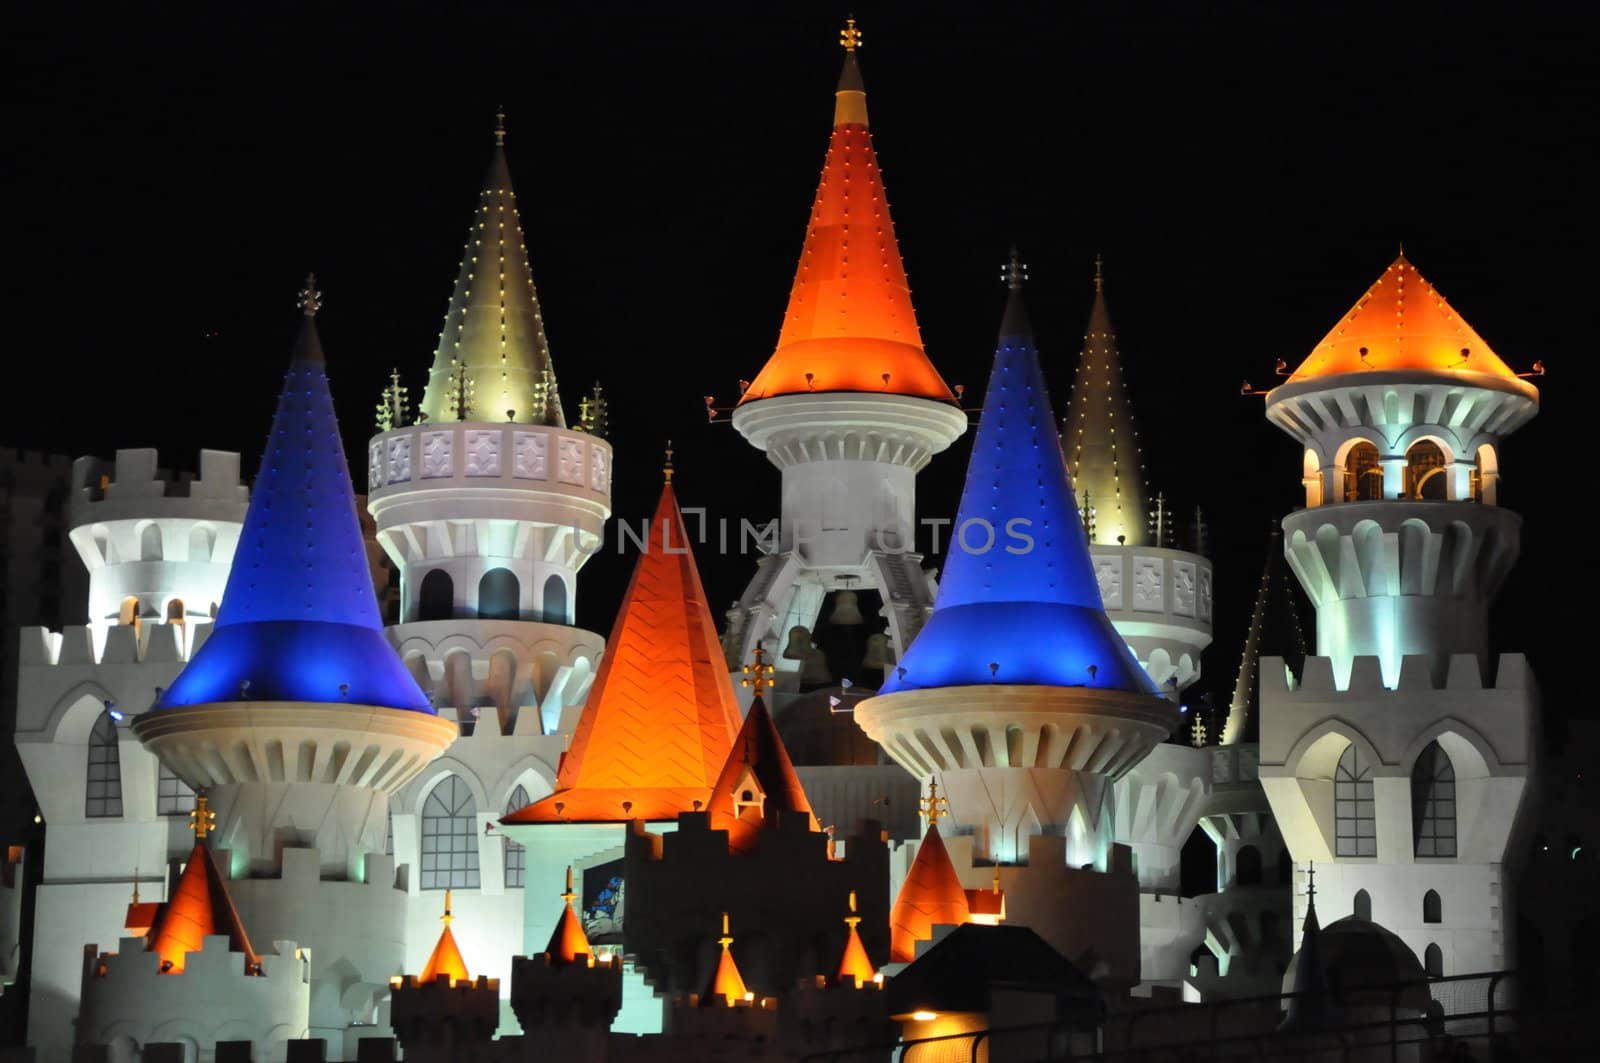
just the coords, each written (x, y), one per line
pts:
(1246, 170)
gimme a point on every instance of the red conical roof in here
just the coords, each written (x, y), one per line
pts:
(757, 764)
(931, 896)
(661, 716)
(200, 907)
(850, 325)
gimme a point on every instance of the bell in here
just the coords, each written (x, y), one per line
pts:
(846, 610)
(814, 669)
(877, 652)
(799, 643)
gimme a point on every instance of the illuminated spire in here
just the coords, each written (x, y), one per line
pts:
(726, 982)
(1273, 619)
(200, 907)
(1098, 434)
(855, 962)
(445, 961)
(850, 325)
(757, 764)
(930, 896)
(568, 943)
(493, 326)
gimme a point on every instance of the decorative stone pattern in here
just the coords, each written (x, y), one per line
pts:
(399, 459)
(375, 466)
(531, 456)
(570, 462)
(1148, 576)
(436, 453)
(1203, 595)
(483, 453)
(598, 469)
(1108, 571)
(1183, 588)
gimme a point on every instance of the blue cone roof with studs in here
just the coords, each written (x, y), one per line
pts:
(1018, 603)
(298, 619)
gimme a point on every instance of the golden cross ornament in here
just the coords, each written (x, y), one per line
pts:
(310, 299)
(202, 820)
(850, 37)
(933, 806)
(758, 674)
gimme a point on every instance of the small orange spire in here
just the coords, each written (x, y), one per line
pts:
(932, 895)
(446, 960)
(726, 982)
(854, 963)
(569, 944)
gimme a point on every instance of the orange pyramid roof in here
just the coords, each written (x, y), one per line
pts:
(1402, 322)
(569, 944)
(931, 895)
(850, 322)
(726, 981)
(200, 907)
(445, 960)
(855, 963)
(661, 716)
(758, 753)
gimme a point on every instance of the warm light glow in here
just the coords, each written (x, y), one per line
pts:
(924, 1016)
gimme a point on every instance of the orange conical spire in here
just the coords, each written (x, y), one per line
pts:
(854, 963)
(569, 944)
(661, 716)
(757, 780)
(726, 981)
(200, 906)
(850, 325)
(1402, 322)
(445, 960)
(931, 896)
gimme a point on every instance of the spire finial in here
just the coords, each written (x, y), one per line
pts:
(500, 127)
(1311, 881)
(850, 37)
(1099, 276)
(758, 673)
(666, 465)
(310, 300)
(1402, 249)
(726, 939)
(933, 806)
(447, 918)
(136, 886)
(202, 820)
(852, 920)
(568, 895)
(1015, 272)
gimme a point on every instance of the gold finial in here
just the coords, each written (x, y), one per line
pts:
(135, 885)
(850, 37)
(996, 878)
(447, 918)
(666, 466)
(1099, 278)
(202, 820)
(1014, 272)
(569, 896)
(726, 939)
(933, 806)
(758, 673)
(310, 299)
(852, 920)
(500, 127)
(1311, 881)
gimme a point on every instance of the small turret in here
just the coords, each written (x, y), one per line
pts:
(442, 1014)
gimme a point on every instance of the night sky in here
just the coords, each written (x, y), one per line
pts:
(1247, 171)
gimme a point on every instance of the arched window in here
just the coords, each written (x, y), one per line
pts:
(1355, 816)
(175, 611)
(1363, 476)
(1361, 905)
(103, 794)
(1425, 474)
(173, 796)
(1433, 961)
(555, 600)
(1432, 907)
(516, 855)
(449, 837)
(128, 611)
(437, 596)
(498, 592)
(1285, 868)
(201, 541)
(1249, 866)
(150, 543)
(1433, 803)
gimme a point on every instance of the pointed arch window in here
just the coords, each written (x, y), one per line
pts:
(103, 793)
(1361, 905)
(1355, 814)
(450, 837)
(1433, 803)
(516, 855)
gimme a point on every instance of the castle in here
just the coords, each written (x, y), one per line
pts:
(260, 797)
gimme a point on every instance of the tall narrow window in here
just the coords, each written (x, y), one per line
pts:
(516, 855)
(1361, 905)
(449, 837)
(173, 796)
(1433, 961)
(1425, 473)
(1355, 815)
(555, 600)
(103, 795)
(1363, 475)
(1433, 803)
(498, 592)
(436, 596)
(1432, 907)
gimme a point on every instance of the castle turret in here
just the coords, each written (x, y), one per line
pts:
(1018, 695)
(295, 716)
(443, 1014)
(565, 998)
(848, 407)
(1398, 758)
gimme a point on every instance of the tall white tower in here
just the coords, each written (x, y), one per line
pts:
(848, 407)
(1399, 760)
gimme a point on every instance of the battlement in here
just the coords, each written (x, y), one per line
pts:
(85, 645)
(547, 994)
(136, 473)
(1463, 674)
(440, 1013)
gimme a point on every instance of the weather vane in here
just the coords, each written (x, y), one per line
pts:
(310, 298)
(758, 674)
(666, 470)
(850, 37)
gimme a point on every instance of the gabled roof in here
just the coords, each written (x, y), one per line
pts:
(930, 896)
(200, 907)
(298, 619)
(1018, 602)
(1402, 322)
(960, 973)
(661, 716)
(757, 752)
(850, 325)
(493, 325)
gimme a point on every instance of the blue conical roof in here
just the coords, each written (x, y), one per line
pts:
(1025, 601)
(298, 617)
